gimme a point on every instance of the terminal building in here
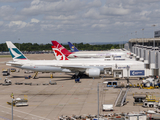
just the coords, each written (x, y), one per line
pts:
(147, 50)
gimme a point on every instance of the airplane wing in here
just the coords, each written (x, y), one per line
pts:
(13, 64)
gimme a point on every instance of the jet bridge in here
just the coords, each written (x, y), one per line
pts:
(118, 73)
(146, 54)
(141, 54)
(108, 71)
(152, 59)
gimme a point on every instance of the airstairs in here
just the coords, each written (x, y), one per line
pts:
(121, 99)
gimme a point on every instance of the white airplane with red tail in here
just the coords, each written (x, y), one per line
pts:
(89, 54)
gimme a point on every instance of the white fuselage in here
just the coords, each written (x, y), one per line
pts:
(97, 54)
(67, 66)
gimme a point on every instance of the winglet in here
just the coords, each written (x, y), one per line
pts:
(15, 52)
(72, 47)
(58, 54)
(61, 48)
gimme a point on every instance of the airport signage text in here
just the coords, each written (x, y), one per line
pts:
(137, 72)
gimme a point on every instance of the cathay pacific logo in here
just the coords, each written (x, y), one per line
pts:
(15, 53)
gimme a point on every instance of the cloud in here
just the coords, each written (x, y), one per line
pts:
(79, 20)
(1, 23)
(19, 24)
(33, 20)
(38, 7)
(61, 17)
(114, 11)
(35, 2)
(11, 0)
(92, 13)
(95, 3)
(6, 11)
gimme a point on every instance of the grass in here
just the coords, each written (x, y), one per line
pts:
(5, 56)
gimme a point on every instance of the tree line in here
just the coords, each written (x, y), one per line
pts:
(40, 47)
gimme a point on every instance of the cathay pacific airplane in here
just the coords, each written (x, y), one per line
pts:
(21, 61)
(89, 54)
(92, 68)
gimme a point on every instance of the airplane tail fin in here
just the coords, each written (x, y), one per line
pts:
(15, 52)
(72, 47)
(61, 48)
(58, 54)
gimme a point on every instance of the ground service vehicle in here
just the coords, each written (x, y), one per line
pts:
(13, 70)
(6, 72)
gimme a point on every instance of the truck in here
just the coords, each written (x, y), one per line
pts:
(19, 102)
(107, 107)
(6, 72)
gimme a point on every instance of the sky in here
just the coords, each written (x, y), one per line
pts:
(40, 21)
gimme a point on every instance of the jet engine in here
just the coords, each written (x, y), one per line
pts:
(93, 72)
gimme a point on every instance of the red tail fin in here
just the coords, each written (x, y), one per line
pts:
(61, 48)
(58, 54)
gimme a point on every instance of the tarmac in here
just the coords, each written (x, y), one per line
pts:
(48, 102)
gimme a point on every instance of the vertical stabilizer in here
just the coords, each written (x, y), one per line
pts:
(72, 47)
(58, 54)
(61, 48)
(15, 52)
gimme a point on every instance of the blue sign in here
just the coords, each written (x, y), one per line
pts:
(117, 56)
(137, 72)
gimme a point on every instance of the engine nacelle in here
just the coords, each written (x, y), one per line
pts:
(93, 72)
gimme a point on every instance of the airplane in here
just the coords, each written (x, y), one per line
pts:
(60, 56)
(54, 48)
(72, 47)
(89, 54)
(22, 62)
(92, 68)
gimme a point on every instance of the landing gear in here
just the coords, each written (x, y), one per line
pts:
(77, 80)
(79, 76)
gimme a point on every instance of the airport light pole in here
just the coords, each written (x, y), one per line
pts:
(12, 108)
(127, 74)
(143, 42)
(19, 43)
(153, 38)
(131, 43)
(136, 37)
(154, 43)
(98, 99)
(142, 36)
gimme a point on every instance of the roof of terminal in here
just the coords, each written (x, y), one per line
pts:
(144, 39)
